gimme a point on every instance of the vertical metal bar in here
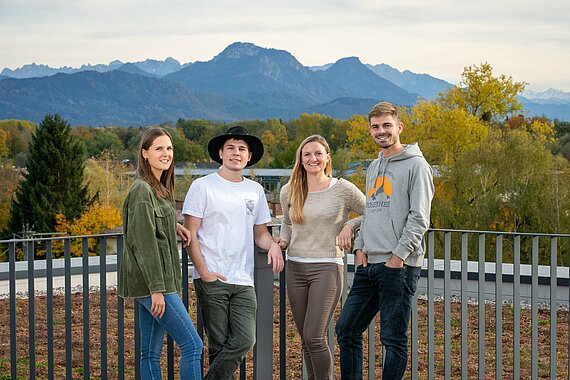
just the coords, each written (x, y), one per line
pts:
(68, 331)
(242, 370)
(534, 309)
(86, 335)
(170, 357)
(415, 338)
(371, 350)
(103, 304)
(553, 303)
(447, 304)
(331, 345)
(481, 306)
(414, 373)
(31, 309)
(49, 306)
(200, 329)
(430, 300)
(499, 308)
(464, 304)
(185, 280)
(516, 307)
(283, 324)
(121, 318)
(13, 334)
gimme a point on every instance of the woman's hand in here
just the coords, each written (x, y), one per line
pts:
(282, 243)
(344, 238)
(184, 234)
(157, 306)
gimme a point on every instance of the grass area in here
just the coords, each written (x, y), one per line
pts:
(293, 353)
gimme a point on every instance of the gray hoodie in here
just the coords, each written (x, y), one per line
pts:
(399, 190)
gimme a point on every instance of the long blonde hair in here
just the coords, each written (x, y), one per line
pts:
(165, 187)
(298, 187)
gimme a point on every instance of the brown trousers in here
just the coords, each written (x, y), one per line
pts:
(314, 290)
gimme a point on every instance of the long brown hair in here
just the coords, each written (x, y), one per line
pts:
(165, 187)
(298, 187)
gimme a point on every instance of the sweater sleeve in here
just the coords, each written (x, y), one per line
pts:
(421, 195)
(285, 231)
(356, 204)
(142, 235)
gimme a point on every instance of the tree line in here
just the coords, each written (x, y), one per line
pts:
(496, 168)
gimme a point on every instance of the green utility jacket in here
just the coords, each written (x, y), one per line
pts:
(151, 262)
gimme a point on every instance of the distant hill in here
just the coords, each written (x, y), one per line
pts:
(342, 108)
(134, 69)
(422, 84)
(150, 66)
(550, 96)
(552, 111)
(112, 98)
(266, 76)
(360, 82)
(244, 81)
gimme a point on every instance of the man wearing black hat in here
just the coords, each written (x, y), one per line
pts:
(226, 214)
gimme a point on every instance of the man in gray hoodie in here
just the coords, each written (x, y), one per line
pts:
(389, 249)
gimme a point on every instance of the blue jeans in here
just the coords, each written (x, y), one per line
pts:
(377, 288)
(177, 323)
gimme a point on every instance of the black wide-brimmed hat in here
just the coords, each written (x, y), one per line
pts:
(239, 133)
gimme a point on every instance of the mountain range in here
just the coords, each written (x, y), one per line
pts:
(244, 81)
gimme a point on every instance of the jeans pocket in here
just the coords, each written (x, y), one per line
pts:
(393, 280)
(412, 275)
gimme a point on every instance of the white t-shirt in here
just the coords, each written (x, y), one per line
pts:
(228, 210)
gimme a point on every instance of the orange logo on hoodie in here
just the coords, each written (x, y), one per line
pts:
(382, 185)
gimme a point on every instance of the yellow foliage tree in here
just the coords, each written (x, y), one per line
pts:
(441, 133)
(487, 97)
(98, 218)
(540, 128)
(4, 150)
(362, 146)
(108, 178)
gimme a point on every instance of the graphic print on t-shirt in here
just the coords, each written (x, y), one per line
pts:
(250, 206)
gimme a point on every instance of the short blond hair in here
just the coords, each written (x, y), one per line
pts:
(384, 108)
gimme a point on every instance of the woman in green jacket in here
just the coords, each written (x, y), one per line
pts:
(150, 268)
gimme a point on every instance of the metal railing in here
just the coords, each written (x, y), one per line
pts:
(538, 346)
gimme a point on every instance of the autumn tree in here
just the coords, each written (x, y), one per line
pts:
(107, 179)
(506, 183)
(16, 136)
(361, 144)
(9, 180)
(442, 133)
(487, 97)
(97, 218)
(53, 182)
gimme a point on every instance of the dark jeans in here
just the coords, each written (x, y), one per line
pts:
(377, 288)
(229, 318)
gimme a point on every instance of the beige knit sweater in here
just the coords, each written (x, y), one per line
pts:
(326, 213)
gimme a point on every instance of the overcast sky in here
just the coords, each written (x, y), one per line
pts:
(526, 39)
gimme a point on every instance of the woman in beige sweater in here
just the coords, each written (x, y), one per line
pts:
(315, 230)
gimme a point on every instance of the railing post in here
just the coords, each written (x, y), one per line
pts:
(263, 349)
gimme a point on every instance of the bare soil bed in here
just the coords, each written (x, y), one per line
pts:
(293, 351)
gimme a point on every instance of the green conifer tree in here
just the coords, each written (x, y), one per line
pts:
(54, 180)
